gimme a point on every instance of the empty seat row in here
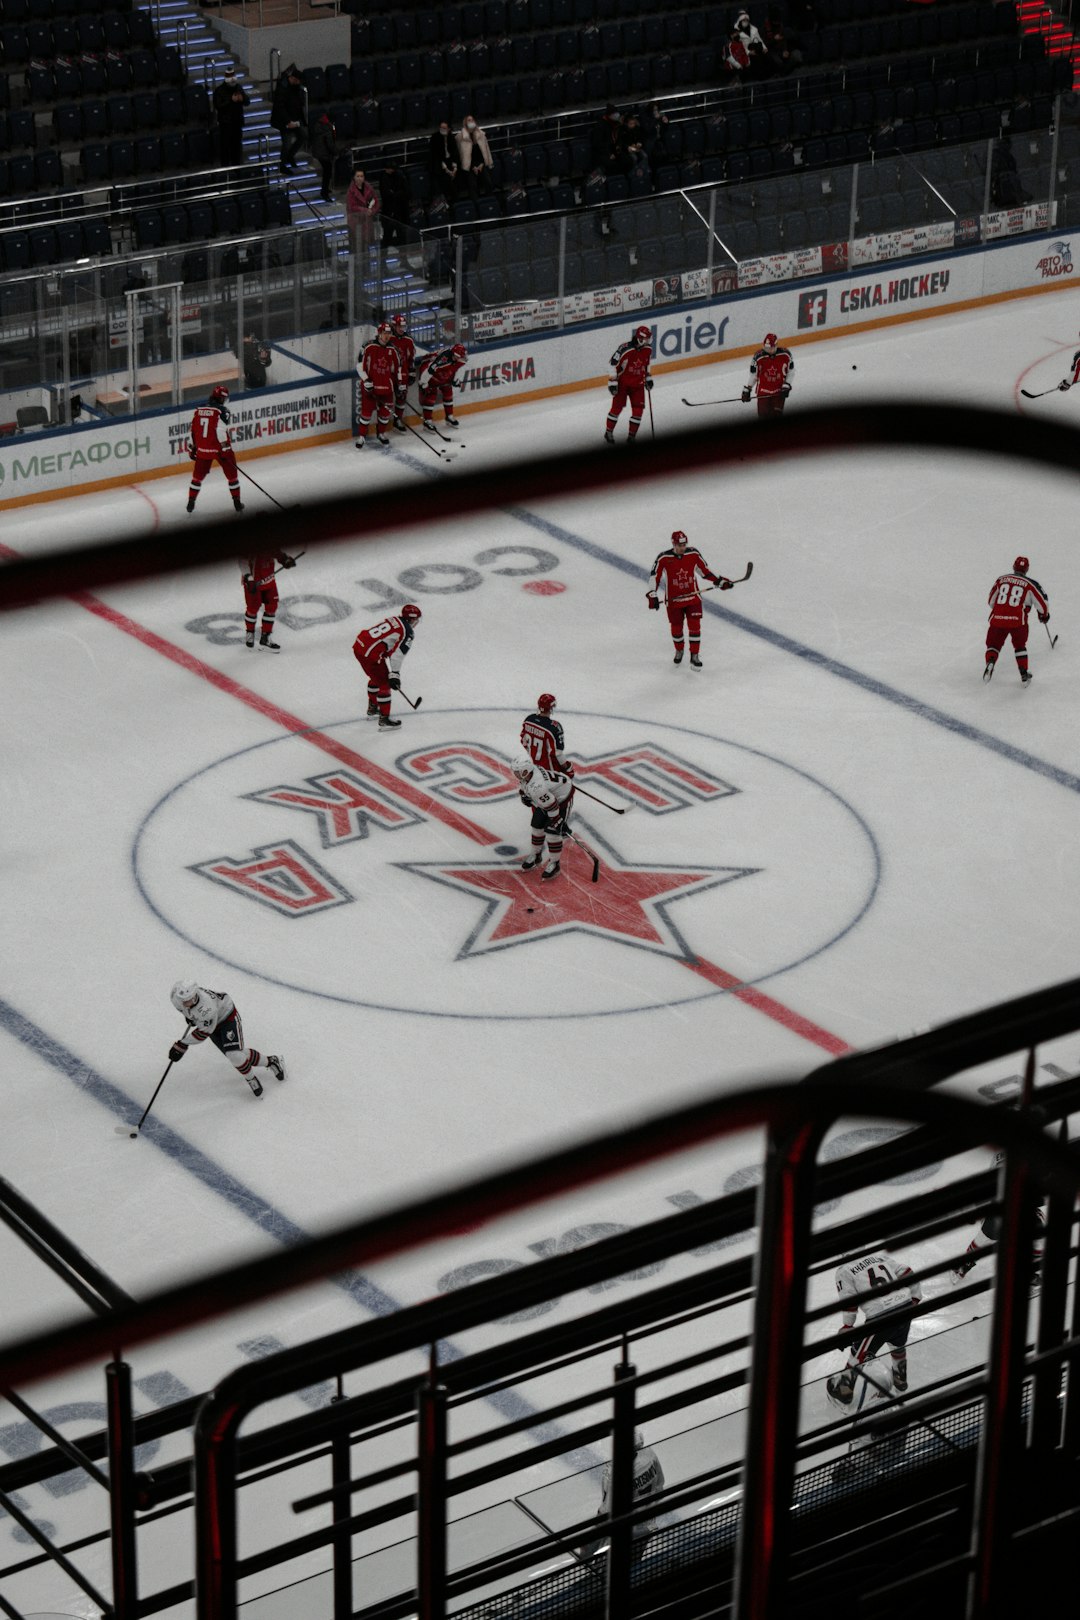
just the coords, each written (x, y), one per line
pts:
(406, 30)
(68, 78)
(79, 121)
(22, 11)
(17, 130)
(70, 36)
(54, 244)
(244, 214)
(102, 162)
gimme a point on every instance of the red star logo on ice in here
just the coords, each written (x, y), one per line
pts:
(629, 903)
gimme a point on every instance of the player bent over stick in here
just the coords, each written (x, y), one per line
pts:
(379, 652)
(549, 795)
(212, 1015)
(675, 572)
(1012, 597)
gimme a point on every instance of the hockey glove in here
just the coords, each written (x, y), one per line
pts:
(746, 396)
(191, 447)
(648, 384)
(525, 799)
(726, 584)
(786, 390)
(1044, 618)
(395, 683)
(654, 603)
(176, 1051)
(290, 562)
(568, 768)
(1064, 385)
(613, 389)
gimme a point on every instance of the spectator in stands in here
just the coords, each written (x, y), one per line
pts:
(394, 196)
(230, 99)
(608, 146)
(444, 160)
(736, 56)
(475, 157)
(785, 52)
(361, 211)
(256, 357)
(756, 49)
(287, 115)
(1005, 188)
(653, 122)
(323, 143)
(634, 145)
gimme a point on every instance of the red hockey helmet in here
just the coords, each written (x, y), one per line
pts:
(219, 395)
(545, 702)
(399, 323)
(459, 351)
(770, 340)
(642, 334)
(410, 612)
(678, 535)
(1021, 565)
(384, 329)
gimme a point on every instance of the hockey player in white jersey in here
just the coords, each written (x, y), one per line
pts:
(549, 794)
(873, 1284)
(212, 1015)
(648, 1481)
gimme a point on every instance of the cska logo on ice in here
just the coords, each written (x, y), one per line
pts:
(417, 881)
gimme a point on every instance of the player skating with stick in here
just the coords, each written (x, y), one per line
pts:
(212, 1015)
(1012, 597)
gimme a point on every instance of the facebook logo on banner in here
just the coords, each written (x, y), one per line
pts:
(813, 307)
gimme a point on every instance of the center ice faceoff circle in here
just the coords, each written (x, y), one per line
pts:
(391, 880)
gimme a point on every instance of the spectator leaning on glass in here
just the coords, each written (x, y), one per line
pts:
(361, 211)
(475, 157)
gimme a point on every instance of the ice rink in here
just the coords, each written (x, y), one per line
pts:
(836, 834)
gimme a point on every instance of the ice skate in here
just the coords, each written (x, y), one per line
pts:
(253, 1082)
(267, 645)
(382, 438)
(191, 504)
(609, 438)
(532, 860)
(551, 870)
(372, 711)
(388, 723)
(238, 505)
(840, 1388)
(695, 661)
(276, 1067)
(678, 657)
(452, 421)
(429, 427)
(1026, 676)
(899, 1380)
(360, 443)
(249, 639)
(988, 672)
(399, 427)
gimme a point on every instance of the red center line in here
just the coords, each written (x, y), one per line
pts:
(793, 1021)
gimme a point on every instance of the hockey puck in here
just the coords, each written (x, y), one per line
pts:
(530, 909)
(854, 368)
(133, 1135)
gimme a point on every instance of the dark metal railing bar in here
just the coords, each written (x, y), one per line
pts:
(54, 1554)
(10, 1610)
(61, 1442)
(59, 1253)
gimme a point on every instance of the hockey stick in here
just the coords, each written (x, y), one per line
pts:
(445, 437)
(591, 853)
(604, 802)
(122, 1130)
(694, 403)
(409, 700)
(427, 443)
(281, 567)
(705, 589)
(1056, 389)
(260, 489)
(652, 433)
(1053, 639)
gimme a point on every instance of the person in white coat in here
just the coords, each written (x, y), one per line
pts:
(475, 154)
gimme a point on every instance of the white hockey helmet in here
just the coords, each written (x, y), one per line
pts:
(522, 768)
(184, 995)
(639, 1440)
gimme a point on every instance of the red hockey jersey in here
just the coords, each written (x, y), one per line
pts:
(379, 367)
(406, 351)
(1012, 597)
(261, 568)
(542, 740)
(439, 368)
(630, 363)
(382, 639)
(678, 573)
(209, 432)
(771, 369)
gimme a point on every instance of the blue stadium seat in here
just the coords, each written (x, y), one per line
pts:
(199, 148)
(121, 115)
(149, 232)
(67, 124)
(252, 206)
(200, 222)
(94, 161)
(121, 159)
(22, 128)
(44, 248)
(148, 155)
(47, 170)
(16, 250)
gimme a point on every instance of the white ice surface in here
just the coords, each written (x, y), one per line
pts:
(940, 866)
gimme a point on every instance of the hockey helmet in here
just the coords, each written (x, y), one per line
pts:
(1021, 565)
(399, 323)
(459, 351)
(219, 394)
(770, 340)
(642, 334)
(184, 995)
(384, 329)
(410, 613)
(677, 536)
(545, 702)
(522, 768)
(639, 1440)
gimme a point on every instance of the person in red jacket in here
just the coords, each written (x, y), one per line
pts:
(770, 369)
(406, 350)
(1012, 597)
(260, 591)
(628, 381)
(436, 380)
(378, 369)
(211, 441)
(675, 573)
(379, 651)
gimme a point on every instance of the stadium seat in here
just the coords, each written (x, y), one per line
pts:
(48, 172)
(200, 222)
(148, 155)
(149, 232)
(121, 115)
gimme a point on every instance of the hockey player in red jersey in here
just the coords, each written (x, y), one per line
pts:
(675, 573)
(378, 369)
(406, 351)
(629, 380)
(379, 652)
(211, 441)
(436, 382)
(550, 797)
(770, 369)
(1012, 597)
(1070, 382)
(542, 737)
(260, 591)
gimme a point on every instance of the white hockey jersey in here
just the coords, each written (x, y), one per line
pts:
(648, 1481)
(211, 1009)
(547, 789)
(874, 1284)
